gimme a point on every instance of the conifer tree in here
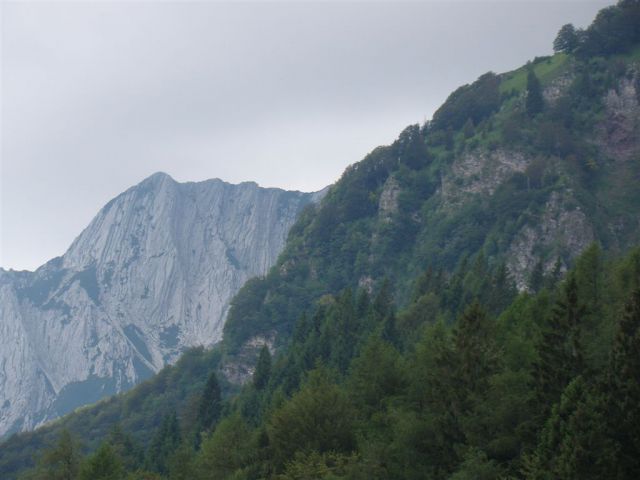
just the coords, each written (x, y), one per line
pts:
(468, 129)
(338, 340)
(589, 278)
(210, 404)
(375, 374)
(503, 290)
(534, 101)
(383, 301)
(423, 284)
(475, 349)
(559, 349)
(181, 463)
(572, 443)
(431, 437)
(164, 443)
(263, 369)
(552, 280)
(536, 279)
(623, 391)
(363, 303)
(125, 448)
(389, 330)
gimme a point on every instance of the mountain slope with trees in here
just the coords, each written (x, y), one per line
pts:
(460, 305)
(525, 168)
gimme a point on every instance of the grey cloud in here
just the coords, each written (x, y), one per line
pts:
(96, 96)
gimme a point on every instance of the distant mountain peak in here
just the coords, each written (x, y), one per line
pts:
(151, 275)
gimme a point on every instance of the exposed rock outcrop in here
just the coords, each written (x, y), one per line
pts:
(151, 275)
(480, 172)
(388, 203)
(619, 131)
(560, 232)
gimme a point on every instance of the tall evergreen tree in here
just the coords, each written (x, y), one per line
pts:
(383, 301)
(536, 279)
(623, 391)
(559, 349)
(589, 278)
(164, 443)
(431, 437)
(552, 280)
(263, 369)
(210, 404)
(375, 374)
(534, 101)
(423, 284)
(572, 443)
(476, 350)
(338, 332)
(503, 290)
(125, 448)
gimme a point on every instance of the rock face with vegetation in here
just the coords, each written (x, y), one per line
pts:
(525, 191)
(463, 303)
(151, 275)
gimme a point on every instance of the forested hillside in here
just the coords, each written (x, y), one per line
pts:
(463, 304)
(547, 389)
(525, 168)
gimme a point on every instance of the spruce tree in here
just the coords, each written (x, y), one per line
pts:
(534, 101)
(536, 279)
(164, 443)
(476, 351)
(338, 333)
(126, 448)
(623, 391)
(383, 301)
(559, 349)
(210, 404)
(552, 280)
(263, 369)
(503, 290)
(572, 444)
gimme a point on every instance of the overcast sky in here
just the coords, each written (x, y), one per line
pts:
(97, 96)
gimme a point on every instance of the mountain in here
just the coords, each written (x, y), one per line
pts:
(486, 183)
(151, 275)
(459, 305)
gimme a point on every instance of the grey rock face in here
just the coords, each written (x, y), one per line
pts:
(479, 172)
(388, 203)
(619, 131)
(560, 231)
(151, 275)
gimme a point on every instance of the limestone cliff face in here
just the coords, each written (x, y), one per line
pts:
(562, 229)
(151, 275)
(618, 132)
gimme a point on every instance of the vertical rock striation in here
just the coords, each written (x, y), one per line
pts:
(151, 275)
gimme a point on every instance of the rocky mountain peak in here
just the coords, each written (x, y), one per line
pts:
(152, 274)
